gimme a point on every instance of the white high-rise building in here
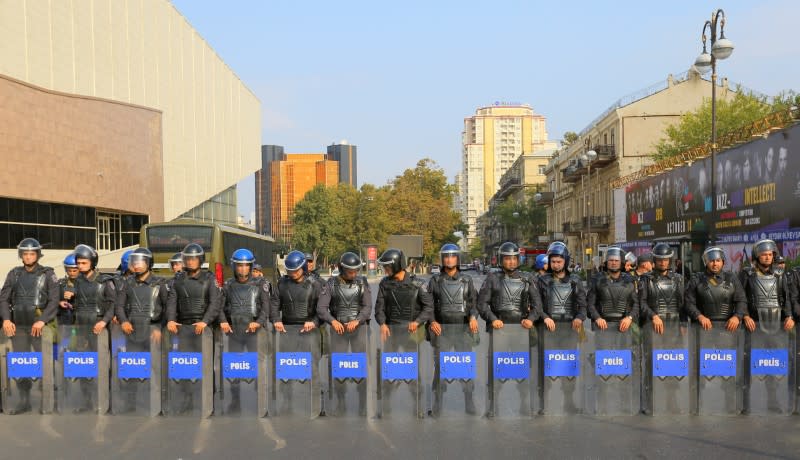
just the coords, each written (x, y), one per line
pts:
(491, 141)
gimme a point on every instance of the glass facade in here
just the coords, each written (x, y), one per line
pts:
(221, 208)
(64, 226)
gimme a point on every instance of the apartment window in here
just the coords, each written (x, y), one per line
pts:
(541, 170)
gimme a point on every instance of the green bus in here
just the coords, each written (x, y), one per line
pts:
(218, 241)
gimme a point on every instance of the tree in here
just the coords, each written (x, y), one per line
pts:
(694, 128)
(527, 217)
(421, 200)
(569, 138)
(476, 249)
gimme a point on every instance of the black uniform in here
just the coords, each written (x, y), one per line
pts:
(662, 295)
(770, 297)
(64, 315)
(562, 299)
(717, 297)
(454, 305)
(244, 303)
(143, 304)
(400, 302)
(346, 301)
(28, 297)
(612, 299)
(509, 298)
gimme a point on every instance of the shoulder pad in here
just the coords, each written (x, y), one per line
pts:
(104, 277)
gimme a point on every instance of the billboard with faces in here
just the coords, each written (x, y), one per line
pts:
(756, 190)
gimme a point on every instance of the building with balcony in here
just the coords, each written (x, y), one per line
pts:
(580, 208)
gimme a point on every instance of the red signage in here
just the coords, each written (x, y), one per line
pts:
(372, 252)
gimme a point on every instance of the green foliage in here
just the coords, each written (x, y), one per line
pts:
(569, 138)
(694, 128)
(527, 217)
(332, 220)
(476, 250)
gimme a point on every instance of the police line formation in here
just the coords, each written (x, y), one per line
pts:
(655, 343)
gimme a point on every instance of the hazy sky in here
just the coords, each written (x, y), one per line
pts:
(397, 79)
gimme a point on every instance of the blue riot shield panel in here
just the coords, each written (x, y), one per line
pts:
(399, 392)
(667, 369)
(349, 373)
(26, 372)
(718, 368)
(769, 369)
(459, 371)
(188, 366)
(510, 370)
(613, 370)
(82, 370)
(136, 370)
(296, 391)
(241, 373)
(560, 377)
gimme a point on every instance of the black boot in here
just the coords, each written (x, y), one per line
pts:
(24, 404)
(469, 404)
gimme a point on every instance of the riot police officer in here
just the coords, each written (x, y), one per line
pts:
(312, 266)
(661, 292)
(612, 294)
(770, 298)
(402, 297)
(140, 307)
(715, 295)
(195, 300)
(346, 304)
(246, 310)
(644, 265)
(29, 299)
(505, 297)
(95, 295)
(540, 265)
(454, 305)
(630, 263)
(67, 285)
(176, 263)
(561, 293)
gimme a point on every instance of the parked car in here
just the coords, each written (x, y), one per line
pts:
(435, 269)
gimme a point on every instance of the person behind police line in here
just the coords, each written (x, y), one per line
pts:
(176, 263)
(644, 265)
(312, 266)
(780, 265)
(455, 307)
(715, 295)
(246, 309)
(28, 299)
(67, 286)
(612, 295)
(561, 293)
(93, 309)
(630, 263)
(540, 265)
(140, 307)
(194, 300)
(123, 270)
(346, 304)
(258, 271)
(771, 297)
(661, 291)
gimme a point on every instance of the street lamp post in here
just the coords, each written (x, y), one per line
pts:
(588, 158)
(720, 49)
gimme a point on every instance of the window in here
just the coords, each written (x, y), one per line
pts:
(541, 170)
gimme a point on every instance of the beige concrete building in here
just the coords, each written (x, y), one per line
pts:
(580, 208)
(491, 141)
(525, 175)
(143, 53)
(127, 116)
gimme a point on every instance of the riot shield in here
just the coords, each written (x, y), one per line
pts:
(399, 369)
(666, 364)
(458, 370)
(241, 373)
(349, 382)
(612, 368)
(82, 370)
(188, 364)
(296, 390)
(718, 368)
(560, 378)
(26, 371)
(510, 371)
(769, 367)
(136, 370)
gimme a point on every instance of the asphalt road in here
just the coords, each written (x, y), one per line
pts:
(577, 436)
